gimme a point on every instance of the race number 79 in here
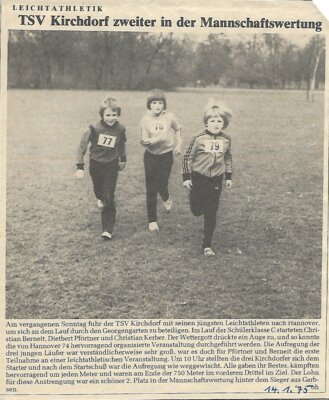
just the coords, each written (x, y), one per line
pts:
(214, 146)
(106, 140)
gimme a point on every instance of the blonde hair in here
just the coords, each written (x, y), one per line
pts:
(109, 102)
(214, 108)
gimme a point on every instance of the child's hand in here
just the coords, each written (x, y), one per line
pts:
(158, 138)
(122, 165)
(228, 184)
(79, 174)
(177, 150)
(188, 184)
(149, 142)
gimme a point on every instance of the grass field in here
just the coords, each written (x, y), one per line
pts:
(269, 227)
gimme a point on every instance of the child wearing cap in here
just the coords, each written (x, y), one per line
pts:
(206, 163)
(161, 138)
(107, 141)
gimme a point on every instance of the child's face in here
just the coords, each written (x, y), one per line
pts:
(110, 117)
(157, 106)
(215, 124)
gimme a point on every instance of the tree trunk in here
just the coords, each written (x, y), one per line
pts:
(310, 97)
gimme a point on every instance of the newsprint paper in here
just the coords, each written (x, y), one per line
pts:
(164, 181)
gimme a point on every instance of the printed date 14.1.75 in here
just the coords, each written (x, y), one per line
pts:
(292, 389)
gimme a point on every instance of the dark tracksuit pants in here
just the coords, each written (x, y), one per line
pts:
(204, 200)
(157, 172)
(104, 177)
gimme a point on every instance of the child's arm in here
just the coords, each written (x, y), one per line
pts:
(148, 140)
(187, 164)
(122, 151)
(179, 141)
(228, 168)
(81, 153)
(145, 134)
(178, 135)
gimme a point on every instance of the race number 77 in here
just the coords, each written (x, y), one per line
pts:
(106, 140)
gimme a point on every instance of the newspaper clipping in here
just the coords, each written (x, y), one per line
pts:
(164, 195)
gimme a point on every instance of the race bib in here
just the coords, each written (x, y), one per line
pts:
(214, 146)
(106, 140)
(157, 127)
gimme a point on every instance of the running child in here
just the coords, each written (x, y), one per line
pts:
(107, 141)
(206, 164)
(161, 137)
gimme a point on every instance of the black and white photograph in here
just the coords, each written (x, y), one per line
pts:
(164, 180)
(164, 175)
